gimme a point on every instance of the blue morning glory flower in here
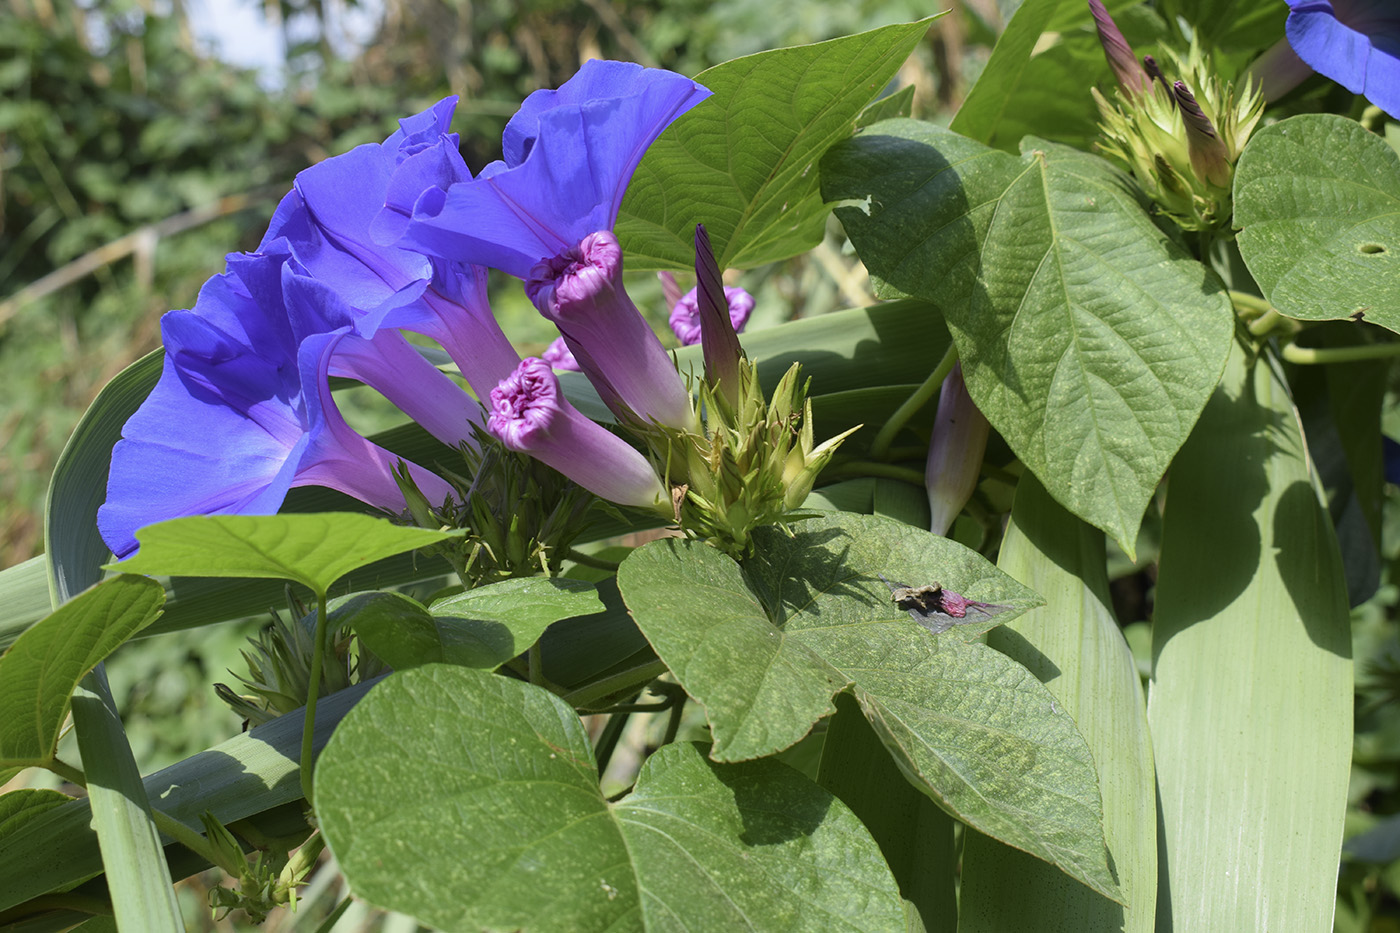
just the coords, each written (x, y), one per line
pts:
(336, 224)
(569, 154)
(1354, 42)
(545, 215)
(243, 409)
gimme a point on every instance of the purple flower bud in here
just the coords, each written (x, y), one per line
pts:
(530, 414)
(955, 452)
(559, 356)
(1131, 78)
(581, 291)
(685, 313)
(1154, 71)
(1209, 158)
(718, 335)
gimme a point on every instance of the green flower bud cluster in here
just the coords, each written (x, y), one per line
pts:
(753, 466)
(278, 660)
(520, 516)
(266, 881)
(1180, 136)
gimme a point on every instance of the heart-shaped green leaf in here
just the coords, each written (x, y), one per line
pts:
(1090, 340)
(744, 162)
(764, 646)
(42, 668)
(1319, 200)
(483, 627)
(315, 550)
(471, 802)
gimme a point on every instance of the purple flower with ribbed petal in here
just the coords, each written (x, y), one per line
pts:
(581, 292)
(530, 414)
(559, 356)
(569, 154)
(342, 217)
(1354, 42)
(243, 410)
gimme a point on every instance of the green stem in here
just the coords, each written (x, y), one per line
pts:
(66, 771)
(1317, 356)
(673, 723)
(634, 678)
(308, 730)
(1265, 322)
(607, 742)
(192, 839)
(913, 403)
(329, 923)
(856, 468)
(588, 560)
(1244, 301)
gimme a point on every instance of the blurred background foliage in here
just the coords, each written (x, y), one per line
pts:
(132, 158)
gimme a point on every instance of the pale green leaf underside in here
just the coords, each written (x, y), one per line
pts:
(472, 838)
(315, 550)
(1319, 200)
(1089, 340)
(1075, 646)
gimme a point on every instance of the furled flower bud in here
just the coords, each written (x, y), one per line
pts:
(530, 415)
(581, 291)
(955, 452)
(1131, 76)
(1180, 140)
(1209, 160)
(718, 335)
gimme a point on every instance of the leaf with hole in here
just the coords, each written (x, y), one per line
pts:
(1318, 198)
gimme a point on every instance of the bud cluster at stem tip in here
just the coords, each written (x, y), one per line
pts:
(1178, 129)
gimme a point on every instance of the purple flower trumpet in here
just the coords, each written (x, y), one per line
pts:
(581, 292)
(243, 412)
(569, 154)
(530, 415)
